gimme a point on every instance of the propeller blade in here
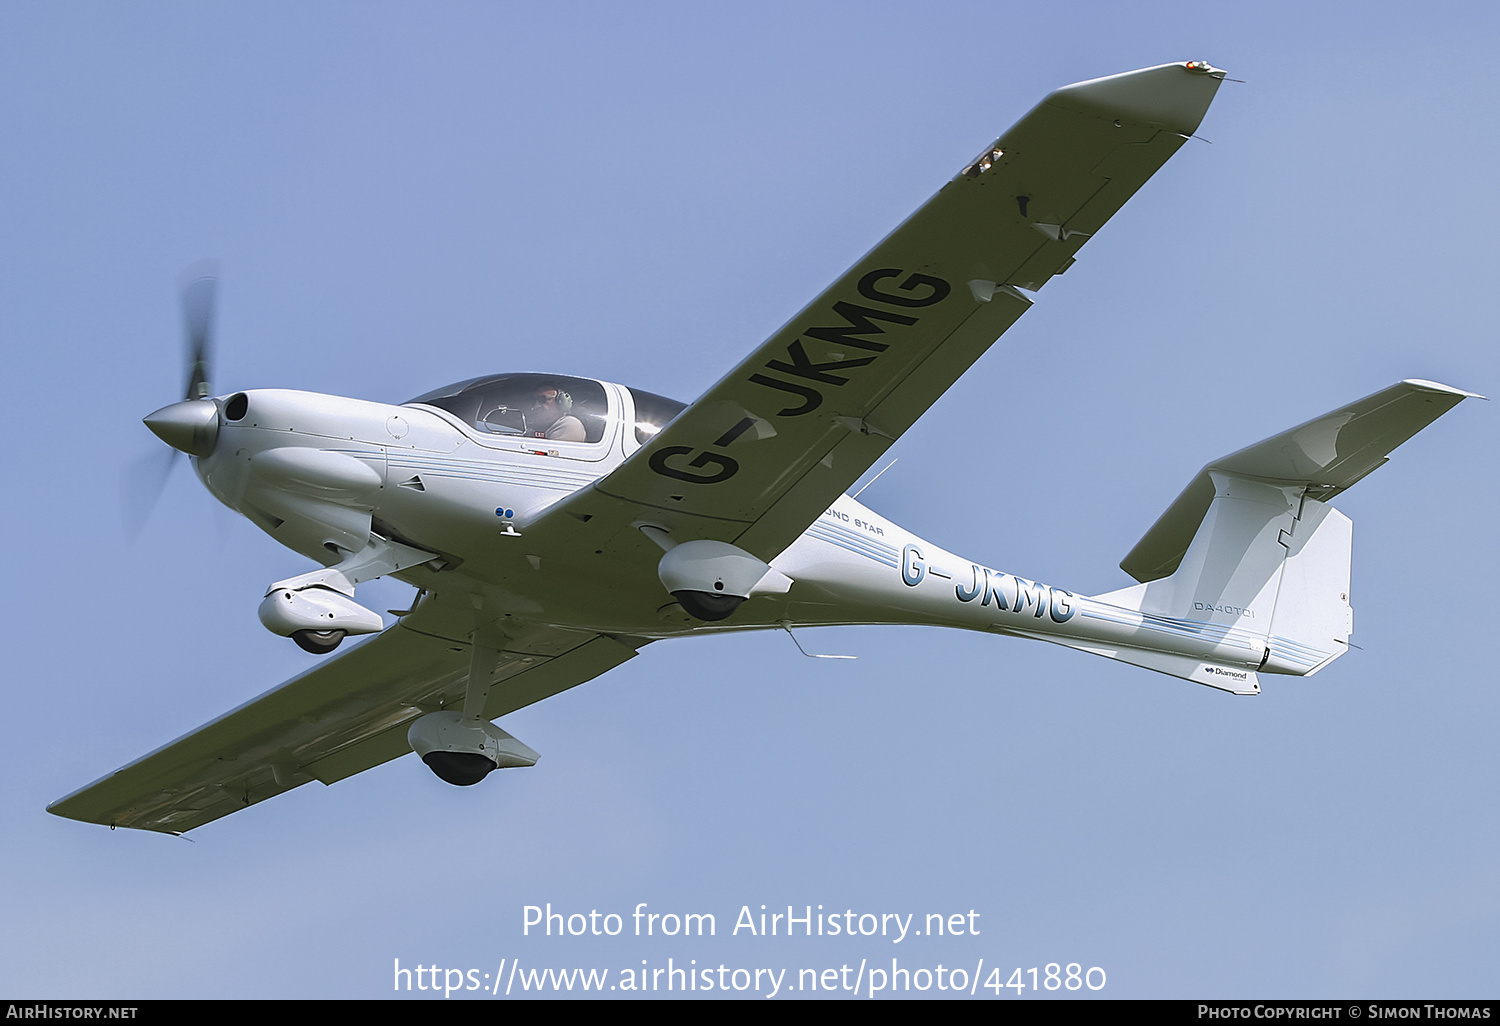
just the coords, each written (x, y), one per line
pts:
(198, 298)
(141, 486)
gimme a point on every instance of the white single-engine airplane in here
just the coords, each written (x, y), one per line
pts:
(555, 525)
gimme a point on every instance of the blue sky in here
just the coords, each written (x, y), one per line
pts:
(401, 196)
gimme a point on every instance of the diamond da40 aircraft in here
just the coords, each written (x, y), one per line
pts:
(499, 497)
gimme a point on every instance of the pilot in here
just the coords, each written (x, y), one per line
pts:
(551, 416)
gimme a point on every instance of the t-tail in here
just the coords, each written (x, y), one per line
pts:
(1251, 555)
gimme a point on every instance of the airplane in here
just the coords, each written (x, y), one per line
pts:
(554, 525)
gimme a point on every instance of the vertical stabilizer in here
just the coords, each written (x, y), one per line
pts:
(1266, 563)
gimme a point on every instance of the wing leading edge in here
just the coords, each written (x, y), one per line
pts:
(761, 454)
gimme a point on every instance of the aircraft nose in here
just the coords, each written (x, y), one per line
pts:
(191, 426)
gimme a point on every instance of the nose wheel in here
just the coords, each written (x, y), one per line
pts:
(318, 642)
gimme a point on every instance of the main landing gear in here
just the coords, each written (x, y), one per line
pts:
(461, 746)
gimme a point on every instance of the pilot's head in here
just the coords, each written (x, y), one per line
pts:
(548, 406)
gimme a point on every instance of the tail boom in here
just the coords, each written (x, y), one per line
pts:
(1246, 573)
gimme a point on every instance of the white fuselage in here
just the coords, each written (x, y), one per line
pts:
(319, 473)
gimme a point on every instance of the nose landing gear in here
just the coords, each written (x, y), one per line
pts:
(318, 642)
(317, 610)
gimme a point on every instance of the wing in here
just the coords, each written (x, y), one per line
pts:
(768, 448)
(348, 714)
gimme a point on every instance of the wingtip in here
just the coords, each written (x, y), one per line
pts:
(1204, 68)
(1438, 386)
(1159, 95)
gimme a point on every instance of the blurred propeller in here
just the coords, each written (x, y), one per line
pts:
(199, 296)
(185, 426)
(144, 481)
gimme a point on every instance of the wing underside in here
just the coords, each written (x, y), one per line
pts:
(348, 714)
(760, 455)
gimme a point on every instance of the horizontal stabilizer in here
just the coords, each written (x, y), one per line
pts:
(1324, 456)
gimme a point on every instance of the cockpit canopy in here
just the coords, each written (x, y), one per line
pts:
(553, 406)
